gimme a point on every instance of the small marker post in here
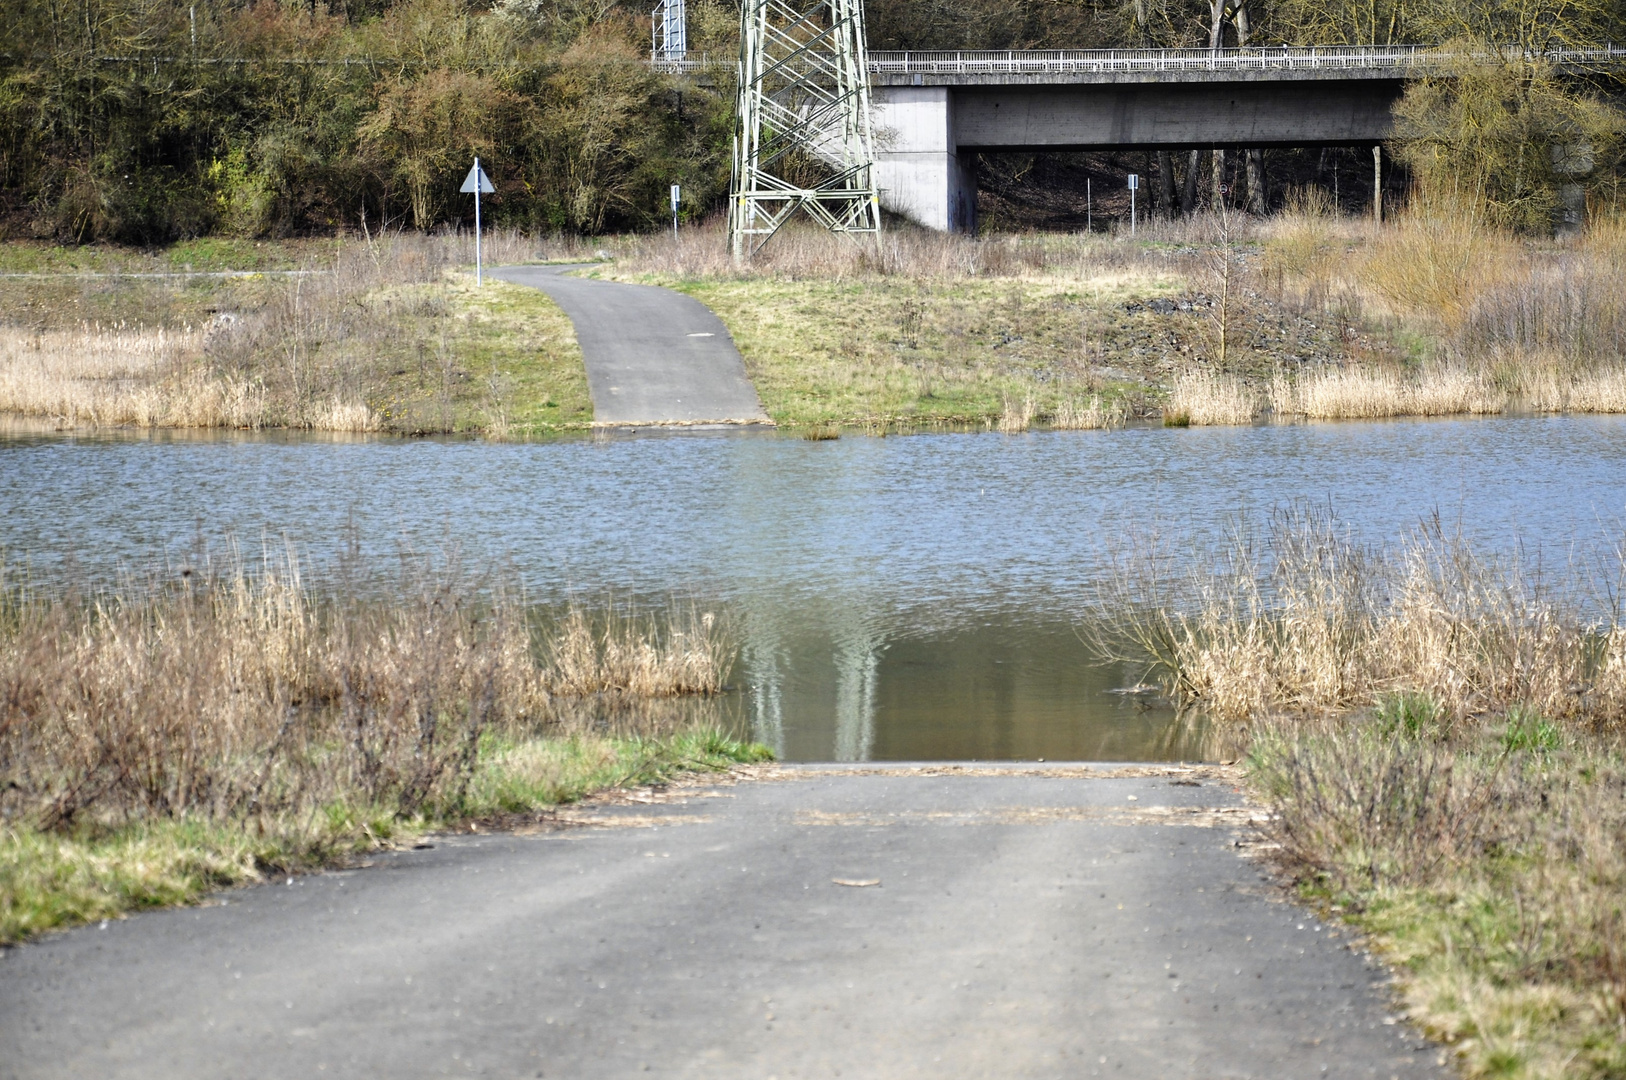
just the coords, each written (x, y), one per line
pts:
(677, 195)
(478, 183)
(1134, 186)
(1089, 206)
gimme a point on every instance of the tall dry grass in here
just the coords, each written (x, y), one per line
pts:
(1078, 415)
(1368, 393)
(1201, 398)
(225, 694)
(1300, 621)
(302, 352)
(906, 251)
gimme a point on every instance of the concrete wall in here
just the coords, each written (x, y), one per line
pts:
(918, 168)
(1174, 115)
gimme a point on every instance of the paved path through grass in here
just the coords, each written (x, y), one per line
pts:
(994, 922)
(653, 356)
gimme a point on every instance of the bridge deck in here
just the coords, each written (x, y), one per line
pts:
(1075, 66)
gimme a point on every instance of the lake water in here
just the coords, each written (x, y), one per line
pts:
(901, 598)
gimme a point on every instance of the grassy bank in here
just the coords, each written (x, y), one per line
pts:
(159, 740)
(1060, 329)
(63, 877)
(352, 334)
(1487, 864)
(1225, 319)
(1439, 733)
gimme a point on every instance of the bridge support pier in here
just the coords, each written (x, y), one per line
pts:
(918, 168)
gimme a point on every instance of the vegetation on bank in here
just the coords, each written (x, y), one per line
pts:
(1219, 319)
(1439, 734)
(161, 740)
(147, 122)
(352, 334)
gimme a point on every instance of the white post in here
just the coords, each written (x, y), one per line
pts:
(1089, 207)
(479, 278)
(1134, 186)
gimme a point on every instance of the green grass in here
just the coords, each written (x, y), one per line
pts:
(501, 360)
(908, 351)
(1488, 867)
(51, 880)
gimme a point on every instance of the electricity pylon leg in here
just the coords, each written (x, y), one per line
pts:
(803, 140)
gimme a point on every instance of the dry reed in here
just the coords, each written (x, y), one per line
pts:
(1201, 398)
(224, 693)
(1304, 622)
(1355, 393)
(1074, 415)
(1017, 416)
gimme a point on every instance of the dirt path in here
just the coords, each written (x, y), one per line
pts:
(892, 923)
(653, 356)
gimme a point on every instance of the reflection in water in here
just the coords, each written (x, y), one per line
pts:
(857, 656)
(900, 598)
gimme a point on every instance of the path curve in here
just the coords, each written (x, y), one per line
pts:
(653, 356)
(995, 922)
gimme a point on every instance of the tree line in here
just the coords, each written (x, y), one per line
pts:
(147, 120)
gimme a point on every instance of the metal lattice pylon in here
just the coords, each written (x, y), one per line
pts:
(802, 139)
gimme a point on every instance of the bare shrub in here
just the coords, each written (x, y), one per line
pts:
(805, 252)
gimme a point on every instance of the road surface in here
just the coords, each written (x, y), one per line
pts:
(653, 356)
(996, 922)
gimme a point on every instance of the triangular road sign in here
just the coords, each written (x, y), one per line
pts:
(477, 180)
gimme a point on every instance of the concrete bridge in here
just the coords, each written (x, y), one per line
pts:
(933, 111)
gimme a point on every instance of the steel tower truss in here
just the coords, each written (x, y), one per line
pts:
(802, 139)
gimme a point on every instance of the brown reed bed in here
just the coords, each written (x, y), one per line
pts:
(243, 722)
(1202, 398)
(1503, 323)
(1439, 736)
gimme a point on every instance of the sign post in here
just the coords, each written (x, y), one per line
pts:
(1089, 207)
(478, 183)
(677, 195)
(1134, 186)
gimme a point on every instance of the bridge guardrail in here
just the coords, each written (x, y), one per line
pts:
(1403, 58)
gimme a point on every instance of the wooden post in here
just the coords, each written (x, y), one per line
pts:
(1377, 185)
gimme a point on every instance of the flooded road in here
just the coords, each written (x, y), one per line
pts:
(902, 598)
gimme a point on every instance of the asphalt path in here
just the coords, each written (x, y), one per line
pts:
(995, 922)
(653, 356)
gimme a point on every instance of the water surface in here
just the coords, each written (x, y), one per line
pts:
(897, 598)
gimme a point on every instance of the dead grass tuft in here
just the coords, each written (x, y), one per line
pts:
(1202, 398)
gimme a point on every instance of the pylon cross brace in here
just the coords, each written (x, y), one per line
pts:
(804, 109)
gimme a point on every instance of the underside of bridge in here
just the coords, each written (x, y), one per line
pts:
(928, 136)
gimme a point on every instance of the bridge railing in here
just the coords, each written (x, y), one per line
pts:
(1400, 58)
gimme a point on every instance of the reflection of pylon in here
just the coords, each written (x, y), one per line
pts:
(802, 139)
